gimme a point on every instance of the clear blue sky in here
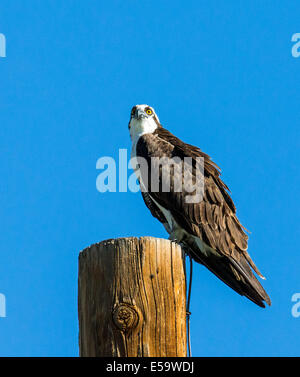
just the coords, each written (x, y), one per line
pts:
(220, 75)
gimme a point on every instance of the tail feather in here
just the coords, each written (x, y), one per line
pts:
(237, 275)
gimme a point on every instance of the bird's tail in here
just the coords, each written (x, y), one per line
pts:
(237, 275)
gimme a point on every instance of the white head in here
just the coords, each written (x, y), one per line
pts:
(143, 120)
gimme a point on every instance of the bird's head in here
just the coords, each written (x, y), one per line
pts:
(143, 120)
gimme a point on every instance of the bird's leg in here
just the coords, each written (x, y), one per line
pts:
(176, 235)
(172, 236)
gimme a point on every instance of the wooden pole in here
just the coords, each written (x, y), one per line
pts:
(132, 298)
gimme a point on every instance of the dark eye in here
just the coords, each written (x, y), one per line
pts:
(149, 111)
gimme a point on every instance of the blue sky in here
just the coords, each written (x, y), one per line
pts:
(221, 76)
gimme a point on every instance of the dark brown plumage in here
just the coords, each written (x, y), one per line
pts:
(213, 219)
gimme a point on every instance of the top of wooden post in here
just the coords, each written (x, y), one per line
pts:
(131, 298)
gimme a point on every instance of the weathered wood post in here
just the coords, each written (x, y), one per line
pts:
(132, 298)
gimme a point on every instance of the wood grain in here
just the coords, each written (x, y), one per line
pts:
(132, 298)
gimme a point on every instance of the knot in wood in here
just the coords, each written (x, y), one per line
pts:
(125, 317)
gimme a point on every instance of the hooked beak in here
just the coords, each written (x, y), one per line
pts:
(140, 114)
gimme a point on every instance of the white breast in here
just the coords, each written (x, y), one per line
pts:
(139, 127)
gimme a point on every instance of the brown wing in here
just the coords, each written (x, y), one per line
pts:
(155, 211)
(213, 219)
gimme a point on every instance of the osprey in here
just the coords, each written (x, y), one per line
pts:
(208, 230)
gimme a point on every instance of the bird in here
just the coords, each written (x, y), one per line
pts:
(207, 229)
